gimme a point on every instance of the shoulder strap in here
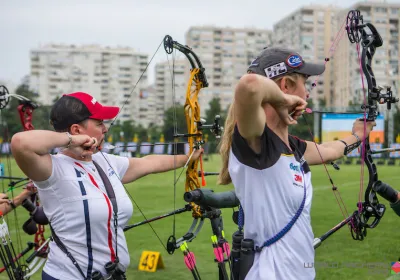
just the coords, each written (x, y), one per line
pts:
(111, 196)
(65, 251)
(108, 186)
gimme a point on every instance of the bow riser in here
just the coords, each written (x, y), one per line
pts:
(192, 115)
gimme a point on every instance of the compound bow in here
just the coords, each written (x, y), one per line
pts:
(36, 259)
(370, 211)
(200, 212)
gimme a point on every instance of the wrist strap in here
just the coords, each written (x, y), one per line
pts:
(12, 204)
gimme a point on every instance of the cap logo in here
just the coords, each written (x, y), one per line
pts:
(254, 62)
(93, 101)
(275, 70)
(294, 61)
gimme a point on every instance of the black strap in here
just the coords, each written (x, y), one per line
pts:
(111, 196)
(108, 186)
(65, 251)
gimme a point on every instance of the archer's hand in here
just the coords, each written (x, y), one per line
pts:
(197, 154)
(290, 109)
(3, 198)
(83, 145)
(358, 128)
(30, 188)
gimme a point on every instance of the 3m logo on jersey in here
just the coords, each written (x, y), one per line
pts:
(294, 61)
(298, 178)
(294, 167)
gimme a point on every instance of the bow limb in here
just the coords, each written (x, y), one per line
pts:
(197, 81)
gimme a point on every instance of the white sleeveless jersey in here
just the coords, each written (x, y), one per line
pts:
(76, 203)
(270, 187)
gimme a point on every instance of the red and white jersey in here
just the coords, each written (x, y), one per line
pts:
(270, 187)
(77, 205)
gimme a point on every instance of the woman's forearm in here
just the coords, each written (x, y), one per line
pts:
(39, 141)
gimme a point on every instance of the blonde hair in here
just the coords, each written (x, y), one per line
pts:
(226, 141)
(225, 145)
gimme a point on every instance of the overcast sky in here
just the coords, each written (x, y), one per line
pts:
(138, 24)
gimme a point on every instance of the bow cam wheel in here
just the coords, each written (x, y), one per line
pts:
(4, 97)
(168, 44)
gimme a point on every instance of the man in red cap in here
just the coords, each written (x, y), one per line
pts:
(82, 190)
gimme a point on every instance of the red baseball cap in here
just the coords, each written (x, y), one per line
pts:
(76, 107)
(96, 110)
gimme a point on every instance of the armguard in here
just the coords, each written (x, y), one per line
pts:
(349, 148)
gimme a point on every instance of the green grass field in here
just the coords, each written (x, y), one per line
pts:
(339, 257)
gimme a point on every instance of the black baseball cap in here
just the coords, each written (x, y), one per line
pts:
(274, 62)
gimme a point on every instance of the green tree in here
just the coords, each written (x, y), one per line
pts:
(154, 132)
(174, 119)
(128, 129)
(115, 131)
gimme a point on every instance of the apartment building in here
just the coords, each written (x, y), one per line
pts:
(225, 54)
(109, 74)
(167, 93)
(147, 104)
(310, 30)
(385, 65)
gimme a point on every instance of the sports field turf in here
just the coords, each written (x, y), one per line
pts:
(339, 257)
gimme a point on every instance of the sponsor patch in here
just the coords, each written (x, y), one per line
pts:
(298, 178)
(294, 167)
(110, 172)
(294, 61)
(275, 70)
